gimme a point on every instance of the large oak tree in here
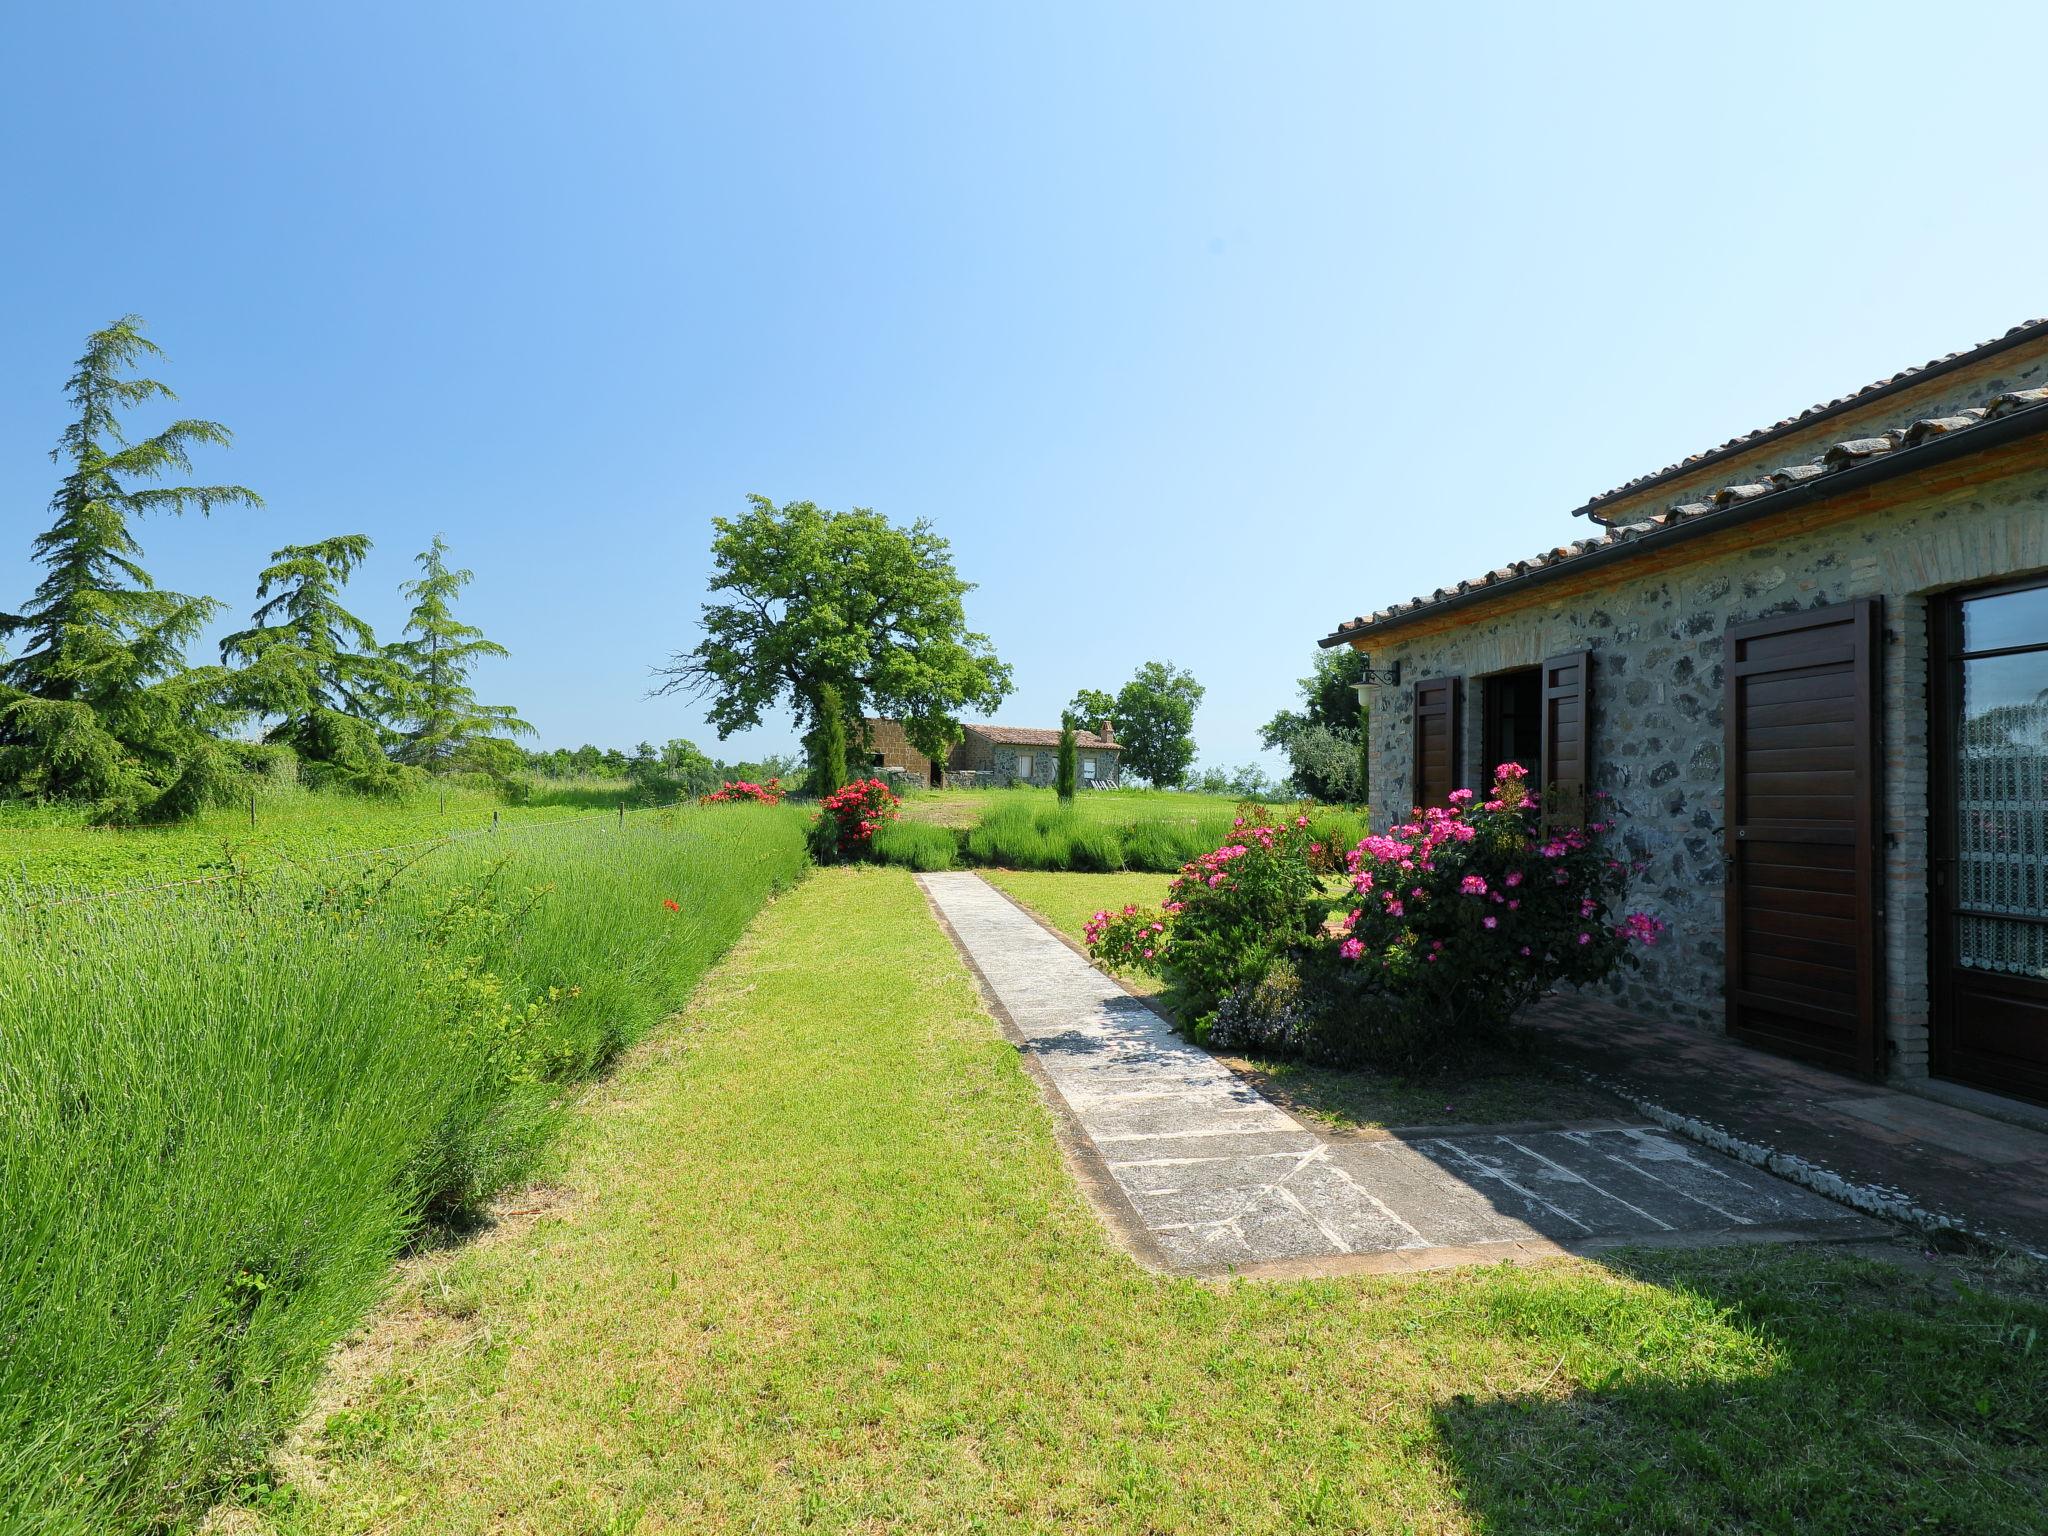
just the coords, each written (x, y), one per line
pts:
(816, 603)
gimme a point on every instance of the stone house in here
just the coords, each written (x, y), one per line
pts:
(997, 755)
(1809, 668)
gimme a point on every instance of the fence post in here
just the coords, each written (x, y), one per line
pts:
(622, 815)
(252, 807)
(494, 821)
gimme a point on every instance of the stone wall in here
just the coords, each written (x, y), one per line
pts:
(1655, 627)
(887, 738)
(1045, 765)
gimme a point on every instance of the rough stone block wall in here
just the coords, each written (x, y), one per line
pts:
(1656, 720)
(887, 737)
(1045, 766)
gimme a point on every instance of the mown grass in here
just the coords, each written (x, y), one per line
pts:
(820, 1266)
(225, 1110)
(1492, 1088)
(56, 845)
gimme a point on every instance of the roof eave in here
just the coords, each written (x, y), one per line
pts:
(1906, 379)
(1901, 461)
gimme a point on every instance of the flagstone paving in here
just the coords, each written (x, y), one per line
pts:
(1204, 1174)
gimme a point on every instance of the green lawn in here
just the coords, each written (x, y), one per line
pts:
(57, 845)
(1501, 1087)
(813, 1261)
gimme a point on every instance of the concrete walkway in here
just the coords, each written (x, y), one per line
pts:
(1202, 1174)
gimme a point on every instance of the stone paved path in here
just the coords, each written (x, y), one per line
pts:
(1209, 1175)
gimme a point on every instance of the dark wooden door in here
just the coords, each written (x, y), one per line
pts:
(1804, 918)
(1990, 804)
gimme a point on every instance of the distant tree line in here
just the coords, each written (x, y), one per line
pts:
(675, 771)
(98, 700)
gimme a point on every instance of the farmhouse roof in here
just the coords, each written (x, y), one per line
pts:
(1855, 461)
(1032, 736)
(1903, 379)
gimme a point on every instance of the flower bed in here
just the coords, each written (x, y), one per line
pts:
(1456, 920)
(744, 792)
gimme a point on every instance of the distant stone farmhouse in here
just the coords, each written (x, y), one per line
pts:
(996, 755)
(1810, 667)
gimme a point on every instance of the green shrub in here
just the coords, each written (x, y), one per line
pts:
(1269, 1014)
(1227, 916)
(1155, 846)
(228, 1108)
(916, 845)
(1008, 837)
(1096, 848)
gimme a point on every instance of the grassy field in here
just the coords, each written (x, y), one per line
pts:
(58, 846)
(813, 1262)
(224, 1111)
(1501, 1087)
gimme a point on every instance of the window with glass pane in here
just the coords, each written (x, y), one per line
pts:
(2002, 785)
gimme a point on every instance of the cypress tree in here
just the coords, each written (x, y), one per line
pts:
(315, 667)
(1063, 773)
(445, 727)
(827, 743)
(99, 703)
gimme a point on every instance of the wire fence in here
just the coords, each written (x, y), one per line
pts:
(613, 818)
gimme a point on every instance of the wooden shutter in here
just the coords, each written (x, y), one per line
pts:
(1438, 732)
(1804, 918)
(1567, 737)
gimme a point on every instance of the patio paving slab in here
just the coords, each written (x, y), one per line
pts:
(1206, 1175)
(1894, 1153)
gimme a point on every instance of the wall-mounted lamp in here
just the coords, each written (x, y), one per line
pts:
(1370, 678)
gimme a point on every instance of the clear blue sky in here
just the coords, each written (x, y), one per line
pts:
(1195, 329)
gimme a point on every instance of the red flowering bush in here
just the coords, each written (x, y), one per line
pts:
(848, 819)
(744, 792)
(1227, 915)
(1457, 919)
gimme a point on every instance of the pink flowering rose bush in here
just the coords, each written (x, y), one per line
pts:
(1449, 925)
(1464, 915)
(1228, 915)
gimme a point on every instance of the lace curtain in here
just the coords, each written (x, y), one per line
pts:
(2002, 815)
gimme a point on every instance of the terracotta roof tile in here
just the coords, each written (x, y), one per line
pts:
(1813, 413)
(1837, 458)
(1034, 736)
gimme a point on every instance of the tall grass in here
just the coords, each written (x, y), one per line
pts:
(224, 1111)
(58, 845)
(916, 845)
(1034, 833)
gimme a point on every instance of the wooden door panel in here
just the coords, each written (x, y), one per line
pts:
(1438, 726)
(1567, 765)
(1802, 896)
